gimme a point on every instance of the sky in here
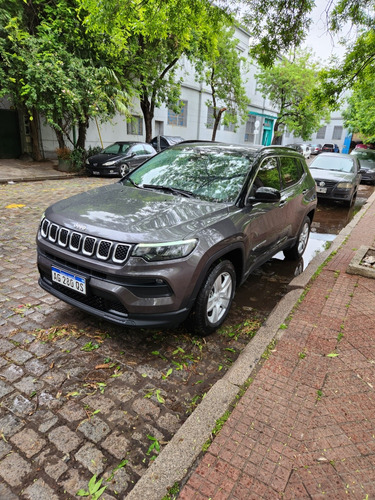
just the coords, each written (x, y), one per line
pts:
(323, 43)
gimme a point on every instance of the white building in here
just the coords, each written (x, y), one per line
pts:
(194, 121)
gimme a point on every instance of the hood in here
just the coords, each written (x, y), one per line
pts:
(131, 215)
(331, 175)
(103, 157)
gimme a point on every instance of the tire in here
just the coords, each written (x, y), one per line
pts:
(296, 251)
(214, 299)
(123, 169)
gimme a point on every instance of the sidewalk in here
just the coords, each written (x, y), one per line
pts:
(25, 171)
(305, 428)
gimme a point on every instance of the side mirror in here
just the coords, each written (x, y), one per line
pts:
(265, 194)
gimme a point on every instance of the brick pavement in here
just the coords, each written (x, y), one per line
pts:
(305, 428)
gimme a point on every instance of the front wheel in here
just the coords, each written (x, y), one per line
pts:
(214, 299)
(123, 169)
(296, 251)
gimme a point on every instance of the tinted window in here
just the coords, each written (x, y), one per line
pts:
(116, 148)
(291, 170)
(268, 174)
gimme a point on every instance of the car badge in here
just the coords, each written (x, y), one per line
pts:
(322, 184)
(80, 227)
(95, 164)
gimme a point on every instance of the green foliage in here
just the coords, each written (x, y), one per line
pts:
(94, 489)
(357, 67)
(359, 116)
(220, 70)
(290, 85)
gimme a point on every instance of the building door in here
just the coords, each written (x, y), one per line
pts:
(10, 144)
(267, 132)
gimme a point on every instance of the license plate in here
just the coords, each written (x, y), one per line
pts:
(321, 190)
(69, 280)
(95, 172)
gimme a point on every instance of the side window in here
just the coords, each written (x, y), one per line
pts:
(138, 149)
(149, 150)
(268, 175)
(291, 170)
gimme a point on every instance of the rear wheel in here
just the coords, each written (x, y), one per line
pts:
(214, 299)
(296, 251)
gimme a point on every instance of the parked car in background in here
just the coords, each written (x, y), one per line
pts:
(366, 158)
(161, 142)
(119, 158)
(315, 149)
(176, 236)
(304, 149)
(337, 176)
(296, 147)
(329, 147)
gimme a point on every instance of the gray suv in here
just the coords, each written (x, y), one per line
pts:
(176, 236)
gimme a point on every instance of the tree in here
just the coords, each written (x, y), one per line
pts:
(49, 66)
(359, 116)
(290, 85)
(150, 38)
(359, 61)
(221, 72)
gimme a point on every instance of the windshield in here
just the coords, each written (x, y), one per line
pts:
(364, 155)
(210, 173)
(115, 149)
(333, 163)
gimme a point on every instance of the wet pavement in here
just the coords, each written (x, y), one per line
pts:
(81, 397)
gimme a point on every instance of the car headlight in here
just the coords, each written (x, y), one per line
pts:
(164, 251)
(87, 161)
(344, 185)
(109, 163)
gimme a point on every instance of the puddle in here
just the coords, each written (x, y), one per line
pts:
(268, 284)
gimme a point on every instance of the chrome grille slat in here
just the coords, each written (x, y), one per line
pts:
(89, 246)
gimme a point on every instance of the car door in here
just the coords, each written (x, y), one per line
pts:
(137, 154)
(264, 223)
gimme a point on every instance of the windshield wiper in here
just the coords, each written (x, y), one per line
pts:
(168, 189)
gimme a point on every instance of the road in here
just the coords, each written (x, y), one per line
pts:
(81, 397)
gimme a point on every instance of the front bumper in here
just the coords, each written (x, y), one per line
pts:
(112, 302)
(103, 171)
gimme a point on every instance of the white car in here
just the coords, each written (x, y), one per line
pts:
(306, 150)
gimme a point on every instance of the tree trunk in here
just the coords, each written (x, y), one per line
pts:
(217, 123)
(148, 115)
(276, 137)
(35, 139)
(82, 131)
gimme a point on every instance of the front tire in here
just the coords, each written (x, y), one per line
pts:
(296, 251)
(214, 298)
(123, 170)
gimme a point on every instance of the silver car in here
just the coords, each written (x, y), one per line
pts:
(337, 177)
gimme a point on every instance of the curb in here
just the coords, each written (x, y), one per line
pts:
(184, 449)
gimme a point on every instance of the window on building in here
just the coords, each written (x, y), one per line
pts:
(210, 117)
(179, 119)
(250, 129)
(135, 126)
(337, 132)
(321, 133)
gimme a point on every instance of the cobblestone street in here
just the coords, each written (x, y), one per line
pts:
(78, 396)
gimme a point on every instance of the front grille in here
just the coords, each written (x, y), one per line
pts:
(88, 246)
